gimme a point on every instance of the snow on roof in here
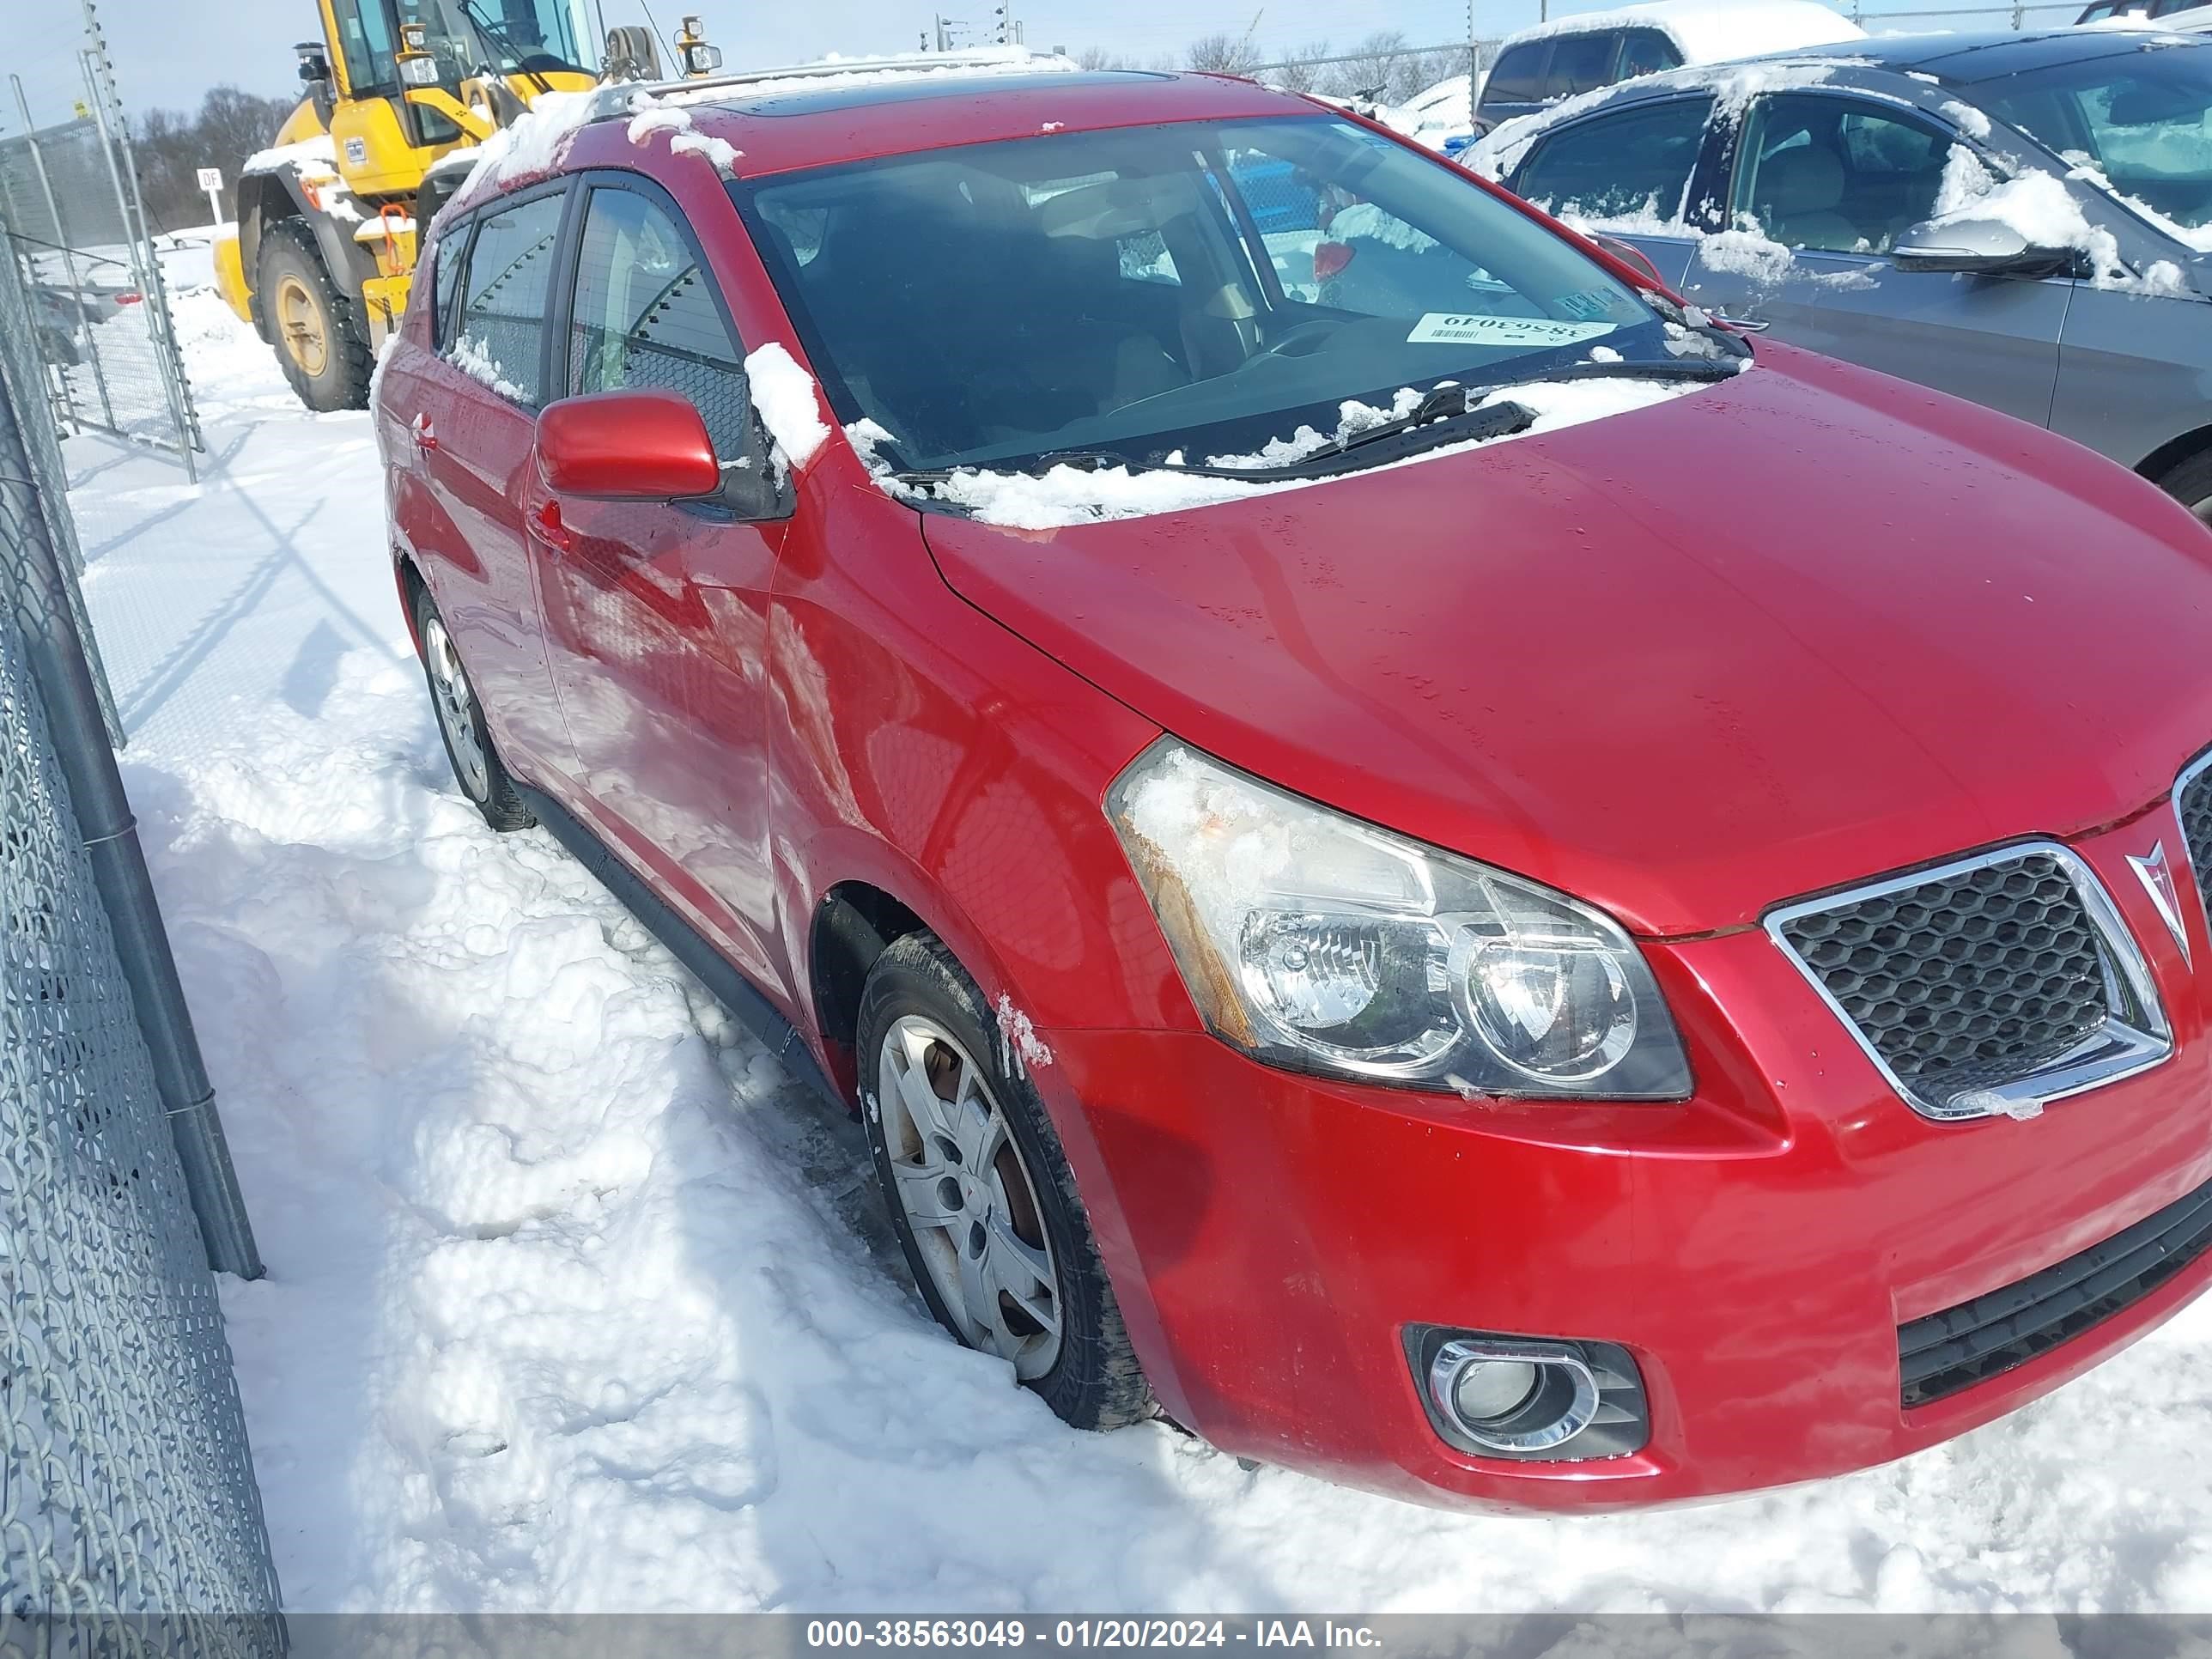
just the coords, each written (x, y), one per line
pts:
(1501, 148)
(1713, 31)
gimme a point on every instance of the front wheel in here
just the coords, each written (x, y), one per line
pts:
(2190, 484)
(980, 1192)
(317, 330)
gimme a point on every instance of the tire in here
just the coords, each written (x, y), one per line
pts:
(317, 330)
(2190, 484)
(478, 768)
(922, 1018)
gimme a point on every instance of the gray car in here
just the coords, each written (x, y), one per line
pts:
(2024, 221)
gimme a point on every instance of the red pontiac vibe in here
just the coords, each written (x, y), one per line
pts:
(1414, 856)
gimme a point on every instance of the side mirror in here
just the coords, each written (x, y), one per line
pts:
(627, 446)
(1629, 253)
(1982, 248)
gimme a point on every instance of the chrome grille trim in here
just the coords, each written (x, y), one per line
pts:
(2116, 1048)
(2197, 866)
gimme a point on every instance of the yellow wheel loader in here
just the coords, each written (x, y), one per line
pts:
(398, 94)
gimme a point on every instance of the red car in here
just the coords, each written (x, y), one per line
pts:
(1417, 858)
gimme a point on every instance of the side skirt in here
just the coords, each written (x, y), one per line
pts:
(685, 942)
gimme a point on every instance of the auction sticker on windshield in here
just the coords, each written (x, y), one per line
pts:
(1454, 328)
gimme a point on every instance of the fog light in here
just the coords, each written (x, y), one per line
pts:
(1514, 1396)
(1489, 1390)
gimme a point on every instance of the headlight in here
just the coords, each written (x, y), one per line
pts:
(1315, 942)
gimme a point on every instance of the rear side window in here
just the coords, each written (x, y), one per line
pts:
(1646, 51)
(451, 256)
(1633, 165)
(1518, 77)
(1581, 62)
(508, 280)
(646, 317)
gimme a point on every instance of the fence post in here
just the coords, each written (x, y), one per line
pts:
(35, 588)
(144, 266)
(69, 255)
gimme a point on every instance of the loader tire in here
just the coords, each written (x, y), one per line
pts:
(320, 341)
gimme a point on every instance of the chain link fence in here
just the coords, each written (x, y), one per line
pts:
(77, 233)
(129, 1520)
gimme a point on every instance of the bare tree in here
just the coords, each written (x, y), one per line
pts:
(1223, 54)
(171, 145)
(1300, 73)
(1380, 63)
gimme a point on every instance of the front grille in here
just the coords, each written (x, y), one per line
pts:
(1981, 978)
(1955, 1349)
(2193, 804)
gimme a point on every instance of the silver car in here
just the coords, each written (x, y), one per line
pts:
(2024, 221)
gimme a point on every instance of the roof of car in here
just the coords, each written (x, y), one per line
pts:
(1966, 58)
(782, 125)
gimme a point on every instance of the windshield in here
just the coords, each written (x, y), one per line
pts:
(504, 35)
(2142, 118)
(1189, 291)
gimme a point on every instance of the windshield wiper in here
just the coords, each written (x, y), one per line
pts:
(1445, 415)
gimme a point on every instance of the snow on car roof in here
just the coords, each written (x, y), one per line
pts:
(1712, 31)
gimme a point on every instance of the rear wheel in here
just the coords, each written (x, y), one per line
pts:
(2190, 484)
(477, 765)
(320, 343)
(980, 1192)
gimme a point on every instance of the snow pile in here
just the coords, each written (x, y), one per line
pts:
(537, 140)
(654, 116)
(1711, 31)
(310, 158)
(1064, 496)
(789, 406)
(474, 359)
(1365, 221)
(2036, 207)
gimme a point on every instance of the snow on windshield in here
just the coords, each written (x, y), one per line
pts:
(1066, 495)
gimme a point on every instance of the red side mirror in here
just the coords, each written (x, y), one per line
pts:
(627, 446)
(1629, 253)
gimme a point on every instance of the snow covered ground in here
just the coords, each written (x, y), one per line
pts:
(574, 1304)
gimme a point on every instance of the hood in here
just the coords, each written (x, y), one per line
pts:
(1772, 636)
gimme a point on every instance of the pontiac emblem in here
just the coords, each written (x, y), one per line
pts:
(2157, 878)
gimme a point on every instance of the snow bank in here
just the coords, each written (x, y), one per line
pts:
(789, 406)
(1066, 495)
(1711, 31)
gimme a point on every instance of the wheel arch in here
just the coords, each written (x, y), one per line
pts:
(269, 199)
(2172, 453)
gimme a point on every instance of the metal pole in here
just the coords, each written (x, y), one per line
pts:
(56, 656)
(149, 281)
(68, 258)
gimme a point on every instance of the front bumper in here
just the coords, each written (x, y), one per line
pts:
(1756, 1250)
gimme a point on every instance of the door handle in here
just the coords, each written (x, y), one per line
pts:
(546, 524)
(426, 438)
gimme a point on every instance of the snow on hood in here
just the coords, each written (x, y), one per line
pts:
(1066, 495)
(1712, 31)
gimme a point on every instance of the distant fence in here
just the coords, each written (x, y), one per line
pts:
(129, 1520)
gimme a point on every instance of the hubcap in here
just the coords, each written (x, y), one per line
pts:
(300, 320)
(959, 1179)
(456, 706)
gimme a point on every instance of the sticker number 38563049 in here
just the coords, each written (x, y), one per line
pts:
(1451, 328)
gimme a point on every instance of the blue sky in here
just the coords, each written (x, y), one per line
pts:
(170, 52)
